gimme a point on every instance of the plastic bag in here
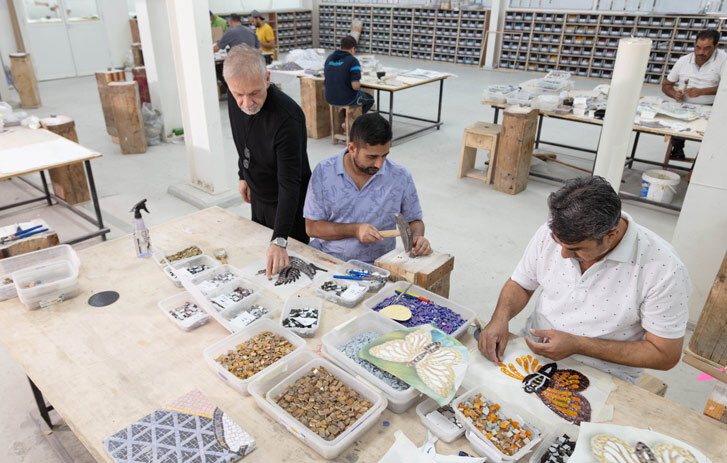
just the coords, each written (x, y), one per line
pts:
(405, 450)
(31, 122)
(153, 124)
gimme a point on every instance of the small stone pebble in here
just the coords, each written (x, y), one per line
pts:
(423, 313)
(559, 451)
(255, 354)
(7, 281)
(332, 287)
(185, 311)
(351, 349)
(196, 269)
(305, 317)
(184, 253)
(448, 412)
(323, 404)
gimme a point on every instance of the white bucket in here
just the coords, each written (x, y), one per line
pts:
(659, 185)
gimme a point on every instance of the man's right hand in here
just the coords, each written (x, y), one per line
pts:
(678, 95)
(493, 340)
(244, 191)
(367, 233)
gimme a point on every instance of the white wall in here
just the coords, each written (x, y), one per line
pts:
(115, 15)
(7, 39)
(243, 6)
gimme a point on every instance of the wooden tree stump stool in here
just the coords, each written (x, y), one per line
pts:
(25, 81)
(127, 116)
(69, 181)
(515, 150)
(137, 54)
(103, 78)
(339, 114)
(480, 135)
(315, 107)
(429, 272)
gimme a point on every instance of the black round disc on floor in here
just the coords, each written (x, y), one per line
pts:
(103, 298)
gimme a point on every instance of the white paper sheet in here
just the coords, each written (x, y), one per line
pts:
(282, 291)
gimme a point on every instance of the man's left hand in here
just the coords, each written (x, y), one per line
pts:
(693, 92)
(277, 260)
(556, 345)
(420, 246)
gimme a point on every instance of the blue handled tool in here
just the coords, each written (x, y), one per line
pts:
(359, 274)
(347, 277)
(24, 233)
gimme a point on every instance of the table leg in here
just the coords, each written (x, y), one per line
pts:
(40, 402)
(540, 127)
(633, 150)
(439, 105)
(94, 196)
(497, 115)
(45, 188)
(378, 100)
(391, 110)
(667, 156)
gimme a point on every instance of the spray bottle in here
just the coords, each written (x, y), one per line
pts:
(141, 233)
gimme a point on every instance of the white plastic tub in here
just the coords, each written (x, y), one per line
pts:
(220, 301)
(467, 314)
(484, 447)
(51, 283)
(231, 342)
(351, 297)
(447, 432)
(551, 437)
(159, 254)
(373, 286)
(181, 267)
(28, 260)
(172, 302)
(7, 287)
(659, 185)
(295, 302)
(399, 401)
(234, 316)
(206, 283)
(327, 449)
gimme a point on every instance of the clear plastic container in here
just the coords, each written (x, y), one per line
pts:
(181, 267)
(295, 302)
(220, 298)
(519, 98)
(551, 437)
(231, 342)
(239, 321)
(372, 285)
(447, 432)
(399, 401)
(62, 252)
(351, 297)
(467, 314)
(207, 283)
(159, 254)
(7, 287)
(327, 449)
(484, 447)
(172, 302)
(40, 287)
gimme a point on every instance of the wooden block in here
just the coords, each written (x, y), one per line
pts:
(127, 116)
(515, 149)
(139, 76)
(103, 78)
(652, 384)
(339, 114)
(25, 81)
(429, 272)
(138, 55)
(709, 340)
(134, 25)
(32, 243)
(717, 403)
(315, 108)
(480, 135)
(216, 34)
(69, 181)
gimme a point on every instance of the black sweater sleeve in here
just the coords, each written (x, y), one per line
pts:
(289, 150)
(236, 126)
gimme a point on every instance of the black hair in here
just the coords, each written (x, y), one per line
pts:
(585, 208)
(348, 43)
(235, 17)
(371, 129)
(709, 34)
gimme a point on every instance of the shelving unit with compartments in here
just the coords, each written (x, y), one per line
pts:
(293, 28)
(453, 36)
(585, 43)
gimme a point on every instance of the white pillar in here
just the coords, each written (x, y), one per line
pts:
(632, 57)
(700, 237)
(196, 82)
(156, 44)
(494, 33)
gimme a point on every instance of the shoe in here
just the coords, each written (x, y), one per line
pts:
(677, 153)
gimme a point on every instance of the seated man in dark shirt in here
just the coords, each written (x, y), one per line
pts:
(342, 72)
(237, 34)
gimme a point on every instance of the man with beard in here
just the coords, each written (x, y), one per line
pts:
(268, 128)
(614, 294)
(353, 195)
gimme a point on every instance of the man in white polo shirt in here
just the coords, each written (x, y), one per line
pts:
(614, 294)
(695, 77)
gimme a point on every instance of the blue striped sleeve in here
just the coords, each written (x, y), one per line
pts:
(355, 68)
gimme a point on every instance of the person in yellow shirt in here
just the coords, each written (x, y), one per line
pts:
(265, 34)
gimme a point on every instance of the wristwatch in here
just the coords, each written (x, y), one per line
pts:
(280, 241)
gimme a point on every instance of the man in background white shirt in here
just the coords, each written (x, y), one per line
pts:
(695, 77)
(614, 294)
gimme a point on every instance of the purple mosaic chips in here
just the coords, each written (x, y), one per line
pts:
(423, 313)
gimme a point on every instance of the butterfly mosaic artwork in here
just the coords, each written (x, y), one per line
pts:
(424, 357)
(611, 449)
(558, 389)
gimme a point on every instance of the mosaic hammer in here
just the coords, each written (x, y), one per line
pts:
(403, 229)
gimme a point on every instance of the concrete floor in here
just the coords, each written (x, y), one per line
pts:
(486, 230)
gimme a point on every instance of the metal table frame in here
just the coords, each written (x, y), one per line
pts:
(433, 124)
(49, 197)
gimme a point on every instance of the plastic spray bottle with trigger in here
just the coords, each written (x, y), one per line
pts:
(141, 233)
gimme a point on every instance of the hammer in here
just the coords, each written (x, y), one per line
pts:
(403, 229)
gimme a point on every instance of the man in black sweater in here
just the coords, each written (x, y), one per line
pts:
(268, 128)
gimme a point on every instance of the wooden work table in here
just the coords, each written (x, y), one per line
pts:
(104, 368)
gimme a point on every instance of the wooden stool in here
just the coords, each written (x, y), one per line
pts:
(429, 272)
(313, 102)
(351, 113)
(25, 81)
(127, 116)
(652, 384)
(69, 181)
(480, 135)
(103, 78)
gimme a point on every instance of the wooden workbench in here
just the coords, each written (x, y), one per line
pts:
(104, 368)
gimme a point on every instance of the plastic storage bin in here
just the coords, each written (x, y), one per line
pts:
(467, 314)
(558, 431)
(351, 297)
(327, 449)
(206, 283)
(220, 300)
(448, 432)
(295, 302)
(399, 401)
(238, 321)
(159, 254)
(52, 283)
(230, 342)
(41, 257)
(181, 265)
(373, 286)
(172, 302)
(485, 448)
(519, 98)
